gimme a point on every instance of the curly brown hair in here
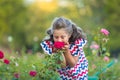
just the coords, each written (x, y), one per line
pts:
(72, 29)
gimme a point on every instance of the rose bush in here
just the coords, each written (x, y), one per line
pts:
(98, 53)
(17, 75)
(57, 54)
(32, 73)
(6, 61)
(27, 66)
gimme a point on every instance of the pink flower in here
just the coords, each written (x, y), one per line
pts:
(94, 45)
(106, 59)
(1, 55)
(6, 61)
(104, 31)
(32, 73)
(59, 45)
(16, 75)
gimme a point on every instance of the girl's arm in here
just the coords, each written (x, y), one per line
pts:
(71, 60)
(63, 63)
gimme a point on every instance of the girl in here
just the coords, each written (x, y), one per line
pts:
(76, 64)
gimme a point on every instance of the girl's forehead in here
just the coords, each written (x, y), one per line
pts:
(59, 31)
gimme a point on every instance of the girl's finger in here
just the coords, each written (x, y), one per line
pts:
(66, 43)
(63, 48)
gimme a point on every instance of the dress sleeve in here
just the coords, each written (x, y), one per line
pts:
(47, 46)
(80, 42)
(77, 47)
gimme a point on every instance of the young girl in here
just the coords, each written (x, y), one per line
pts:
(76, 64)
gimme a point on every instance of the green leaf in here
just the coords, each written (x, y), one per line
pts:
(61, 58)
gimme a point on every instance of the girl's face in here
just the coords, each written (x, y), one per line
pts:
(61, 35)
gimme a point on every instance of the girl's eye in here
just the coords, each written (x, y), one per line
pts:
(62, 37)
(56, 37)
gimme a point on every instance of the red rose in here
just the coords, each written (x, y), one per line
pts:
(1, 55)
(6, 61)
(32, 73)
(16, 75)
(59, 45)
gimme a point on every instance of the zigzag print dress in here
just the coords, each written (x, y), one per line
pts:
(80, 70)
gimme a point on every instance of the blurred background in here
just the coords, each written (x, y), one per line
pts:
(23, 22)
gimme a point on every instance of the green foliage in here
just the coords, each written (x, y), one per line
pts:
(115, 72)
(112, 20)
(97, 52)
(13, 19)
(44, 65)
(105, 12)
(26, 24)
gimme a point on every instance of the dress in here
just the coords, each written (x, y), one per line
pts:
(80, 70)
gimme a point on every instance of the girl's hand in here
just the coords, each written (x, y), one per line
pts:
(66, 46)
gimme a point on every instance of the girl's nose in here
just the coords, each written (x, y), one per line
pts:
(60, 40)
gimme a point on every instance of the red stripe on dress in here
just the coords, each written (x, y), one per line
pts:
(74, 49)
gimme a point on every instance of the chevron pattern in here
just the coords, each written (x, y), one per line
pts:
(80, 70)
(81, 42)
(47, 46)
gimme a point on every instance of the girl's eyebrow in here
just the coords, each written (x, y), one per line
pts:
(63, 35)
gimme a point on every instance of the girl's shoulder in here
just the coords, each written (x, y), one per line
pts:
(80, 42)
(47, 46)
(47, 43)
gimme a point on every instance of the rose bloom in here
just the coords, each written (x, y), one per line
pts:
(59, 45)
(16, 75)
(1, 55)
(6, 61)
(104, 31)
(94, 45)
(106, 59)
(32, 73)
